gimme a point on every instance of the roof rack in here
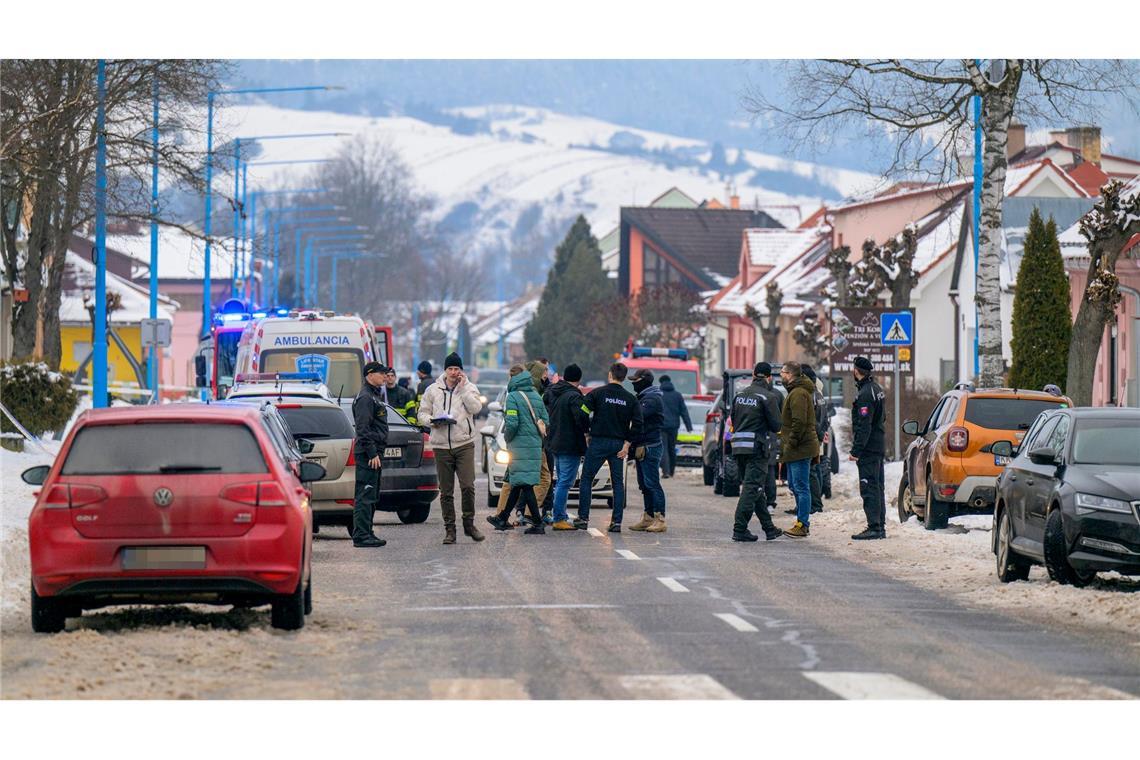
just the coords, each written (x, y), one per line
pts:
(968, 387)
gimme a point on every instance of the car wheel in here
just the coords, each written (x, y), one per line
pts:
(309, 596)
(731, 486)
(1057, 554)
(416, 514)
(1010, 566)
(937, 511)
(48, 615)
(905, 500)
(709, 473)
(288, 610)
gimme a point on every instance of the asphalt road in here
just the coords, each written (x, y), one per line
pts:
(582, 615)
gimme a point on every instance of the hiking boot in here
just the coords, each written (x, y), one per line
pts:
(500, 523)
(644, 523)
(449, 534)
(870, 534)
(372, 542)
(799, 530)
(469, 529)
(614, 528)
(772, 535)
(745, 536)
(580, 524)
(658, 525)
(535, 530)
(564, 525)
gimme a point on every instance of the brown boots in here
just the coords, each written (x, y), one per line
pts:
(449, 534)
(469, 529)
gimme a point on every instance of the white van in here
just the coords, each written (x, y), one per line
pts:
(336, 347)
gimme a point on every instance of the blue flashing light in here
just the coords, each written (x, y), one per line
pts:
(233, 306)
(234, 317)
(305, 377)
(282, 312)
(259, 314)
(641, 352)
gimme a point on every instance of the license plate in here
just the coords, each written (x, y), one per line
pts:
(164, 558)
(689, 451)
(1000, 461)
(393, 452)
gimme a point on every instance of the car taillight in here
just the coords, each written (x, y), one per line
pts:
(351, 454)
(712, 417)
(957, 439)
(61, 496)
(267, 494)
(242, 493)
(57, 497)
(270, 495)
(429, 453)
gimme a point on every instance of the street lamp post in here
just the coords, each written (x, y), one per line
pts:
(151, 359)
(276, 214)
(99, 349)
(310, 289)
(299, 294)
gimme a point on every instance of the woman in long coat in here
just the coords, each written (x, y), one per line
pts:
(521, 428)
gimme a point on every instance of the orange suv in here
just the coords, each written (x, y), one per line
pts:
(949, 468)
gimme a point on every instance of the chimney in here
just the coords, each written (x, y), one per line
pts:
(1058, 135)
(734, 201)
(1015, 140)
(1086, 139)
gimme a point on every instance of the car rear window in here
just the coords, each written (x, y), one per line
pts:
(317, 421)
(164, 447)
(1006, 413)
(1107, 442)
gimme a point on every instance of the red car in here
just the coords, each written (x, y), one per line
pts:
(171, 504)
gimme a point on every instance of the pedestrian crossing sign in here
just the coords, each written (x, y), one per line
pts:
(897, 329)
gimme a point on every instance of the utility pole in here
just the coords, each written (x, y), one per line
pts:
(99, 368)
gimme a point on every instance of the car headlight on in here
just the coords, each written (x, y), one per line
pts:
(1087, 502)
(482, 399)
(502, 456)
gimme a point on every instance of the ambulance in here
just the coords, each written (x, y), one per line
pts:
(334, 346)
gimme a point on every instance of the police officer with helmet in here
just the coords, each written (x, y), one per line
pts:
(755, 417)
(868, 447)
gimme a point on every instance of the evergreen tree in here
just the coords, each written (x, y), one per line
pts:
(1041, 317)
(580, 317)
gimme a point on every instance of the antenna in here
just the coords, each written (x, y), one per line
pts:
(340, 394)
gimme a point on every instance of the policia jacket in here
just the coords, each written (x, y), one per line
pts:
(867, 415)
(755, 416)
(616, 413)
(371, 419)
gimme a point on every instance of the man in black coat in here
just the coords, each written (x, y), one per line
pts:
(370, 416)
(647, 452)
(868, 447)
(566, 439)
(822, 423)
(755, 420)
(676, 412)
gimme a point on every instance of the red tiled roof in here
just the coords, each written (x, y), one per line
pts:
(1089, 176)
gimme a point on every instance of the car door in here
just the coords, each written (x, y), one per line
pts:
(916, 467)
(1014, 479)
(1041, 479)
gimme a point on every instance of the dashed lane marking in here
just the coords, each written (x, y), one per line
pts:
(688, 686)
(464, 608)
(477, 688)
(737, 622)
(870, 686)
(627, 554)
(594, 532)
(673, 585)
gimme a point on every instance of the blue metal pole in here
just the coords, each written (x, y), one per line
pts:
(502, 345)
(206, 306)
(308, 258)
(334, 273)
(243, 239)
(297, 283)
(276, 262)
(99, 368)
(977, 213)
(237, 214)
(416, 335)
(248, 261)
(151, 358)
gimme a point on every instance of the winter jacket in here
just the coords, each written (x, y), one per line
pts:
(675, 410)
(402, 400)
(370, 417)
(798, 435)
(755, 418)
(524, 442)
(652, 416)
(615, 413)
(867, 416)
(568, 423)
(462, 404)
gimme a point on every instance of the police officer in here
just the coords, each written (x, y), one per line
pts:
(755, 419)
(868, 447)
(400, 398)
(371, 419)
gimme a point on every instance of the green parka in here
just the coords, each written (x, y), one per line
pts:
(798, 434)
(523, 439)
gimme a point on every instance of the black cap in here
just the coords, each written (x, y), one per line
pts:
(572, 373)
(863, 364)
(807, 370)
(453, 360)
(371, 367)
(762, 369)
(425, 367)
(641, 379)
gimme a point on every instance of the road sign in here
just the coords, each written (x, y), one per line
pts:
(858, 332)
(904, 354)
(896, 328)
(155, 332)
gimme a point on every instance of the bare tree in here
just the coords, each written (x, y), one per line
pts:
(1108, 227)
(891, 266)
(668, 315)
(811, 337)
(770, 327)
(924, 106)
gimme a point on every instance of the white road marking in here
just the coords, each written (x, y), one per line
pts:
(477, 688)
(690, 686)
(515, 607)
(594, 532)
(737, 622)
(627, 554)
(673, 585)
(870, 686)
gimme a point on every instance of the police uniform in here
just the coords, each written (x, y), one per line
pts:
(755, 418)
(371, 419)
(868, 447)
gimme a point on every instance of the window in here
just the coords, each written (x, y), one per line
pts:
(1107, 441)
(949, 412)
(1033, 431)
(656, 270)
(930, 421)
(160, 447)
(317, 421)
(1041, 437)
(1056, 440)
(1006, 413)
(345, 367)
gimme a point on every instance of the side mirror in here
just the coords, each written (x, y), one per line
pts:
(1043, 455)
(35, 476)
(305, 446)
(494, 406)
(200, 371)
(1002, 448)
(910, 427)
(311, 471)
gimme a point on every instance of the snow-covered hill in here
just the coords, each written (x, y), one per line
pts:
(504, 170)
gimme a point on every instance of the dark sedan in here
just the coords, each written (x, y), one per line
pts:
(1070, 497)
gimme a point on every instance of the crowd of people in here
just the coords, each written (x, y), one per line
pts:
(553, 429)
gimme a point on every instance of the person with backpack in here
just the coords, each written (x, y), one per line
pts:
(524, 427)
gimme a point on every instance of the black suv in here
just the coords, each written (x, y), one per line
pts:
(1070, 496)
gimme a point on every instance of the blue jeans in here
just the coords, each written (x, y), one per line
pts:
(800, 487)
(602, 451)
(565, 469)
(649, 480)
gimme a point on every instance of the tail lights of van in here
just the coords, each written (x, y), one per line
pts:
(65, 496)
(958, 438)
(712, 417)
(266, 494)
(429, 453)
(351, 454)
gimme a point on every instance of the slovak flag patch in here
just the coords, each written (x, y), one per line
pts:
(864, 411)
